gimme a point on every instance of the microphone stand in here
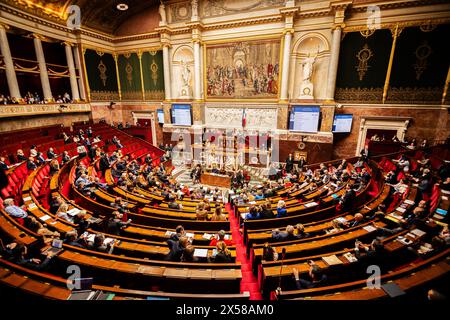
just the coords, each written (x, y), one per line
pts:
(283, 253)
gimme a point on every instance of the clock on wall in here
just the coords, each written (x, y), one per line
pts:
(301, 145)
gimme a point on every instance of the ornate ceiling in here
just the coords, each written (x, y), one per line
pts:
(100, 15)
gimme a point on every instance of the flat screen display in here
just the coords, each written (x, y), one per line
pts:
(342, 123)
(181, 114)
(160, 114)
(304, 118)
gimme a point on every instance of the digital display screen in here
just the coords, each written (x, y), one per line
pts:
(304, 118)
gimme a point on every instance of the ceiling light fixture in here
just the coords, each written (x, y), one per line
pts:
(122, 6)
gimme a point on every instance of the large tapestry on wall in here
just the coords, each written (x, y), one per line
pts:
(420, 65)
(101, 74)
(130, 76)
(363, 62)
(243, 70)
(153, 72)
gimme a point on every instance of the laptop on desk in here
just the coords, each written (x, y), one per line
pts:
(55, 248)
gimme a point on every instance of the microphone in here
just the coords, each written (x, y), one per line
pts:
(283, 254)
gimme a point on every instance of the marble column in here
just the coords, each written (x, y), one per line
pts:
(197, 72)
(167, 82)
(334, 61)
(78, 64)
(72, 73)
(285, 67)
(42, 69)
(11, 78)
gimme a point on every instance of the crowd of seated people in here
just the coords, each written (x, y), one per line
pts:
(35, 98)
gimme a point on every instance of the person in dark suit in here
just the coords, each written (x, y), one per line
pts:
(301, 162)
(20, 156)
(365, 154)
(65, 158)
(348, 198)
(31, 165)
(40, 158)
(266, 211)
(316, 277)
(176, 249)
(51, 154)
(289, 163)
(287, 235)
(19, 256)
(115, 223)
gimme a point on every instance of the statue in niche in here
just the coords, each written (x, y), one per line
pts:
(185, 73)
(186, 79)
(307, 87)
(162, 13)
(308, 65)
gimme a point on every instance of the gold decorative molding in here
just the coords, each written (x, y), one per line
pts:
(12, 111)
(395, 33)
(401, 25)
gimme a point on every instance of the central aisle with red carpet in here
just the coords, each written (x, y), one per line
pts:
(249, 281)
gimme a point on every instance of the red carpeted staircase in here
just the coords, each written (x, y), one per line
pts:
(249, 281)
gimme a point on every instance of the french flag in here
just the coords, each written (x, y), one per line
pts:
(244, 118)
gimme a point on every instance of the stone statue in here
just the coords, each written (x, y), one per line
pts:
(185, 73)
(194, 5)
(162, 13)
(308, 65)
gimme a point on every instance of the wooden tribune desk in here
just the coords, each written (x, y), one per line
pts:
(217, 180)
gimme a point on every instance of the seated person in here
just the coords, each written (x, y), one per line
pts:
(220, 237)
(115, 223)
(188, 254)
(358, 219)
(51, 153)
(13, 210)
(20, 155)
(201, 213)
(34, 225)
(287, 235)
(375, 253)
(62, 213)
(73, 240)
(173, 204)
(316, 277)
(98, 244)
(176, 249)
(31, 164)
(266, 211)
(299, 231)
(269, 253)
(281, 209)
(218, 215)
(223, 254)
(253, 214)
(19, 255)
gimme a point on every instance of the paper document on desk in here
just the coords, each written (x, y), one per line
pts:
(369, 228)
(27, 199)
(311, 204)
(350, 257)
(396, 216)
(201, 253)
(32, 206)
(332, 260)
(45, 217)
(418, 232)
(400, 209)
(207, 236)
(73, 212)
(169, 233)
(189, 235)
(410, 202)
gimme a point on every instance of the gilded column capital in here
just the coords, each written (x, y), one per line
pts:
(4, 26)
